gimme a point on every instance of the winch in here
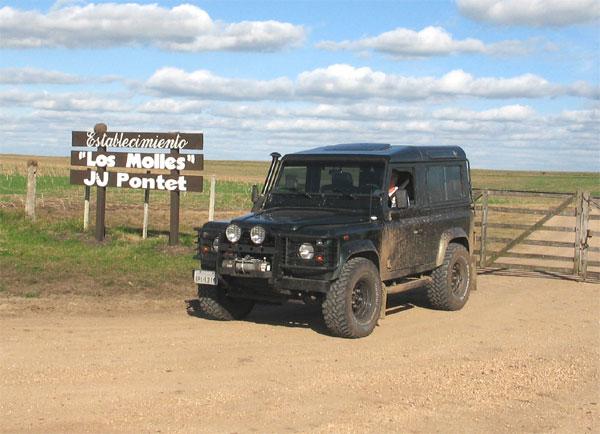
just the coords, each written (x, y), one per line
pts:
(246, 265)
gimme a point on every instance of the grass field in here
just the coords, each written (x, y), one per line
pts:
(55, 256)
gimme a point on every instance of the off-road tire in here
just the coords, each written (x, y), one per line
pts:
(440, 291)
(357, 276)
(215, 304)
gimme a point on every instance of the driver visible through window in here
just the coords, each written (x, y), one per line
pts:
(400, 180)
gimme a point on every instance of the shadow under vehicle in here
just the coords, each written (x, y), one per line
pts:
(344, 226)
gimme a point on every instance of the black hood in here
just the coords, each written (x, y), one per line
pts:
(293, 219)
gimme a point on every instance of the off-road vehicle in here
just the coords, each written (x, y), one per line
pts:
(344, 226)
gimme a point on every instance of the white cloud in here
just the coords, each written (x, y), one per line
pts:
(62, 102)
(588, 116)
(182, 28)
(16, 97)
(36, 76)
(347, 82)
(584, 89)
(84, 103)
(245, 36)
(531, 12)
(204, 84)
(169, 105)
(431, 41)
(509, 113)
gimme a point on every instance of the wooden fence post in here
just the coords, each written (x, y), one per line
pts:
(211, 200)
(578, 233)
(484, 224)
(32, 167)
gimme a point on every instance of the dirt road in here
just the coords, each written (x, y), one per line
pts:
(522, 356)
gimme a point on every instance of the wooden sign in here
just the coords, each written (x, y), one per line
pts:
(107, 168)
(91, 178)
(137, 160)
(137, 141)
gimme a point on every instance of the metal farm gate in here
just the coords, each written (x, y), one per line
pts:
(552, 233)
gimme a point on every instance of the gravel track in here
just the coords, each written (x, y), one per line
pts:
(521, 356)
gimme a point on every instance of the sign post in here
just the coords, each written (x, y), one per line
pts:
(146, 205)
(100, 129)
(174, 202)
(109, 158)
(86, 208)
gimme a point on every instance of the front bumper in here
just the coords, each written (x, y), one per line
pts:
(272, 268)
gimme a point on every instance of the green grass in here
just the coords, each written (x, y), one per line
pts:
(17, 184)
(230, 194)
(38, 259)
(559, 182)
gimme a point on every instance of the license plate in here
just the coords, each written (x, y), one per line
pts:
(205, 277)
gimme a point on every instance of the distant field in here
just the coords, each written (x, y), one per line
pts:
(563, 182)
(245, 171)
(249, 172)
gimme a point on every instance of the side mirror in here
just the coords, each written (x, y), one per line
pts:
(401, 197)
(254, 193)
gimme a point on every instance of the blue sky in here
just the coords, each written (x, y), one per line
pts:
(515, 82)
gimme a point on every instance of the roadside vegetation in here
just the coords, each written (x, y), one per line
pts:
(44, 258)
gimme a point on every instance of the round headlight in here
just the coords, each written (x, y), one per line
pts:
(233, 233)
(258, 234)
(306, 251)
(216, 244)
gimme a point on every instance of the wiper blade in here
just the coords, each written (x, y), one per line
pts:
(296, 192)
(344, 193)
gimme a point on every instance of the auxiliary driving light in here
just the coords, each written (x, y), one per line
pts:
(306, 251)
(258, 234)
(233, 233)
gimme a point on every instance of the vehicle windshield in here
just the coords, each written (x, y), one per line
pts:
(333, 184)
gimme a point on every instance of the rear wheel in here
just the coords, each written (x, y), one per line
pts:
(451, 282)
(352, 305)
(215, 304)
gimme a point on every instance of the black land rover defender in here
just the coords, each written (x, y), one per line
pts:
(344, 226)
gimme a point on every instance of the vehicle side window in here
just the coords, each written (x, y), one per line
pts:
(401, 180)
(444, 183)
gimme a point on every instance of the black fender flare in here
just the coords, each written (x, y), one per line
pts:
(447, 236)
(353, 248)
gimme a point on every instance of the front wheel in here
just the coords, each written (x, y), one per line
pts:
(215, 304)
(353, 303)
(451, 282)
